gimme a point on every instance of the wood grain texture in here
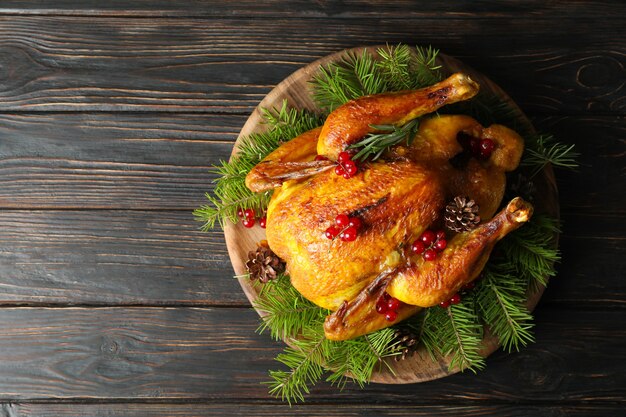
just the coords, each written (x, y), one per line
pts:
(121, 105)
(215, 354)
(161, 258)
(99, 257)
(351, 9)
(227, 66)
(160, 161)
(81, 160)
(301, 410)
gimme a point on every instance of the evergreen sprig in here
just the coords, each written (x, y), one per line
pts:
(399, 68)
(544, 149)
(455, 331)
(230, 192)
(286, 312)
(501, 299)
(289, 316)
(532, 251)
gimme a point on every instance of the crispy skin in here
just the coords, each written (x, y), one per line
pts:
(394, 201)
(350, 122)
(290, 161)
(420, 283)
(396, 198)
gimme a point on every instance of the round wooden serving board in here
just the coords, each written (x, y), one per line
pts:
(296, 90)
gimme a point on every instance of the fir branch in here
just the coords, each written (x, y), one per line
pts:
(532, 252)
(399, 68)
(354, 76)
(373, 145)
(455, 331)
(501, 299)
(426, 71)
(230, 193)
(359, 357)
(395, 66)
(305, 363)
(286, 312)
(544, 149)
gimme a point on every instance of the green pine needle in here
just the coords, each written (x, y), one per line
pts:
(289, 316)
(286, 312)
(399, 68)
(230, 193)
(501, 299)
(532, 251)
(353, 77)
(455, 331)
(544, 149)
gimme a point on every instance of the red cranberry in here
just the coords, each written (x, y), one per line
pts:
(343, 157)
(486, 148)
(240, 212)
(393, 304)
(428, 237)
(342, 221)
(441, 234)
(248, 222)
(430, 255)
(456, 298)
(381, 307)
(418, 247)
(348, 235)
(444, 304)
(339, 170)
(321, 158)
(350, 167)
(263, 222)
(391, 316)
(440, 245)
(248, 214)
(355, 222)
(331, 232)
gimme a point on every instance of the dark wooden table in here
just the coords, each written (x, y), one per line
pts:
(114, 303)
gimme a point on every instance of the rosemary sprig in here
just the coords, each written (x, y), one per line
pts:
(372, 146)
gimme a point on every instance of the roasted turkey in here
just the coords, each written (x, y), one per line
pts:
(396, 198)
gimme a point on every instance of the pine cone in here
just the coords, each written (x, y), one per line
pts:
(263, 264)
(407, 343)
(461, 214)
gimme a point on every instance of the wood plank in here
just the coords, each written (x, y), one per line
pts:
(82, 160)
(228, 65)
(353, 9)
(161, 258)
(213, 354)
(112, 257)
(160, 161)
(313, 410)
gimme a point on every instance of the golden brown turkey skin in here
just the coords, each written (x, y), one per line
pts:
(394, 201)
(420, 283)
(353, 120)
